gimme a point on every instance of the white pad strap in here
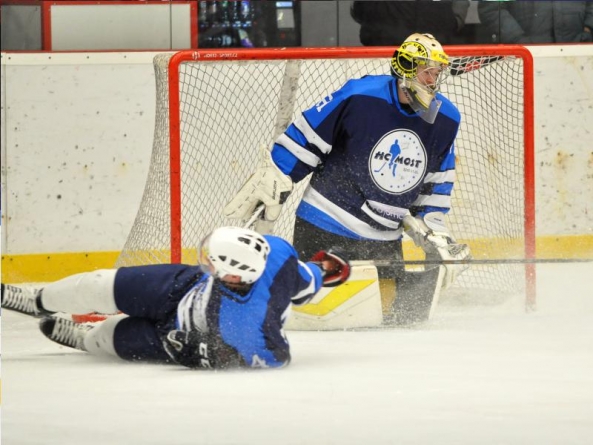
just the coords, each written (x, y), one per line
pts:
(99, 340)
(82, 293)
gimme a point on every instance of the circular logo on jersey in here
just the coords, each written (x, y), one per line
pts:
(398, 162)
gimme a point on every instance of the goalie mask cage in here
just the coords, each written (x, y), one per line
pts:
(215, 108)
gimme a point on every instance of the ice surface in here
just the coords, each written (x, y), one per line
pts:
(476, 374)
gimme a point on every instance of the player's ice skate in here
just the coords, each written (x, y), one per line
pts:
(22, 300)
(64, 331)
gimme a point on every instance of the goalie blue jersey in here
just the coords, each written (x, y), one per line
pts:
(372, 160)
(253, 323)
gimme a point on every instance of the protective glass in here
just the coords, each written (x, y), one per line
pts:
(431, 74)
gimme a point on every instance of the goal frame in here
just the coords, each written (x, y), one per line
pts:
(206, 56)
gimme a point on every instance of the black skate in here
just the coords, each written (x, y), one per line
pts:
(64, 332)
(23, 300)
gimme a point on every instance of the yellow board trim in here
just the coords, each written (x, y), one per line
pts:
(32, 268)
(334, 299)
(37, 268)
(546, 247)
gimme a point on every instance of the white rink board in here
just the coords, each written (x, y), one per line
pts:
(103, 103)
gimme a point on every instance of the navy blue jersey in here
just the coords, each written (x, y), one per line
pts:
(373, 161)
(253, 323)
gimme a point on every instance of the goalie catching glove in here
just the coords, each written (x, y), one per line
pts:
(195, 349)
(430, 233)
(268, 185)
(335, 270)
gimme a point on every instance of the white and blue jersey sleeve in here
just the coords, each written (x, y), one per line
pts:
(373, 160)
(253, 323)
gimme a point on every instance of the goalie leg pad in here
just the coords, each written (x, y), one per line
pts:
(417, 295)
(387, 287)
(354, 304)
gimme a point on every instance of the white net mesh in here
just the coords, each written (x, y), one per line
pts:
(228, 109)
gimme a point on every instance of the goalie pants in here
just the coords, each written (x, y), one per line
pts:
(309, 239)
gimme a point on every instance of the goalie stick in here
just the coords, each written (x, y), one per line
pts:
(492, 261)
(258, 210)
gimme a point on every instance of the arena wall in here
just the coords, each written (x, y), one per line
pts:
(77, 134)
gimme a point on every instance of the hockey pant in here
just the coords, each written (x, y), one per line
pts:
(146, 295)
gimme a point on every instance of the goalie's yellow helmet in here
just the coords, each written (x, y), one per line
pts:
(422, 66)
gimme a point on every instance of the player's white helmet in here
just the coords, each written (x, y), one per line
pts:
(234, 251)
(421, 53)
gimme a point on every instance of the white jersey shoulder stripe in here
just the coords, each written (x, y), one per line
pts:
(433, 200)
(308, 291)
(440, 177)
(304, 127)
(298, 151)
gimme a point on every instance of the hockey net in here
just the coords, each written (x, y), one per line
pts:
(216, 108)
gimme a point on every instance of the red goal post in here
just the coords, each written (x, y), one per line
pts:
(216, 107)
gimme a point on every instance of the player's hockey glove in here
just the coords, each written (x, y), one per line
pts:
(268, 185)
(430, 233)
(195, 349)
(335, 269)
